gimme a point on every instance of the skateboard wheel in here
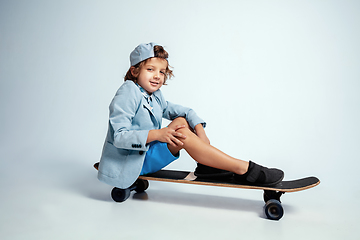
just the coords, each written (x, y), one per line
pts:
(273, 209)
(120, 195)
(141, 185)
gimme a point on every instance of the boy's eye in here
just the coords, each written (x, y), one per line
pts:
(162, 72)
(149, 69)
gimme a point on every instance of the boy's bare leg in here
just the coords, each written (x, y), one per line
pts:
(204, 153)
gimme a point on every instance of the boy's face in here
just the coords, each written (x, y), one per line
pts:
(152, 75)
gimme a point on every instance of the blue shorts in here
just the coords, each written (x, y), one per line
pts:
(157, 157)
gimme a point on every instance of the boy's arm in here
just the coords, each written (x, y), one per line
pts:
(200, 132)
(122, 112)
(172, 111)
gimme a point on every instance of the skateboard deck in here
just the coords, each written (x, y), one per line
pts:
(190, 178)
(273, 208)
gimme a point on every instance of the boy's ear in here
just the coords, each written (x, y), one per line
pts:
(133, 71)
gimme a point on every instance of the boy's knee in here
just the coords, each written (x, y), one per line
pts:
(181, 121)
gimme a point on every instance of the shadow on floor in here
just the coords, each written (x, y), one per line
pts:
(206, 201)
(202, 200)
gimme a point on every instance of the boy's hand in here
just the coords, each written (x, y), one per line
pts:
(168, 135)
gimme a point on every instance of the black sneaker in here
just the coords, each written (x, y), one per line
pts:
(206, 172)
(259, 175)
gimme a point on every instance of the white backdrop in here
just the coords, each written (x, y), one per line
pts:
(276, 81)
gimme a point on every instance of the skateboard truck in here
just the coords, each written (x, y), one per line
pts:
(271, 194)
(120, 195)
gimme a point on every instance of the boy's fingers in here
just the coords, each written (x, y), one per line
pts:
(171, 142)
(179, 126)
(177, 142)
(180, 135)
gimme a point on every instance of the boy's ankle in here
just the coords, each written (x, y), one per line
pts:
(244, 168)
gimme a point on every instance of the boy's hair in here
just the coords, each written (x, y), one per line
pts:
(159, 52)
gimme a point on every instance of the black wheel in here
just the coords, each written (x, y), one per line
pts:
(141, 185)
(273, 209)
(120, 195)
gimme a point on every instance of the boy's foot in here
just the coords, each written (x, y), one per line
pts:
(206, 172)
(259, 175)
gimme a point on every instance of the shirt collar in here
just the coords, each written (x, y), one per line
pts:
(145, 93)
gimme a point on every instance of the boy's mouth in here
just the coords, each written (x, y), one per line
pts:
(154, 83)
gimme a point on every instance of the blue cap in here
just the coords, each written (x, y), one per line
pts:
(142, 52)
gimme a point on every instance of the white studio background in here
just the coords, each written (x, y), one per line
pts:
(276, 81)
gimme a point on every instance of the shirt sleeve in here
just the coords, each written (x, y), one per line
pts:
(172, 111)
(122, 111)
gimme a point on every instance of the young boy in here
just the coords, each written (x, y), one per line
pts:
(136, 143)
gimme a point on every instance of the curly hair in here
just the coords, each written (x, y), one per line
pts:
(159, 52)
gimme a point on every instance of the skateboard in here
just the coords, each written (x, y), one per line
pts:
(273, 208)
